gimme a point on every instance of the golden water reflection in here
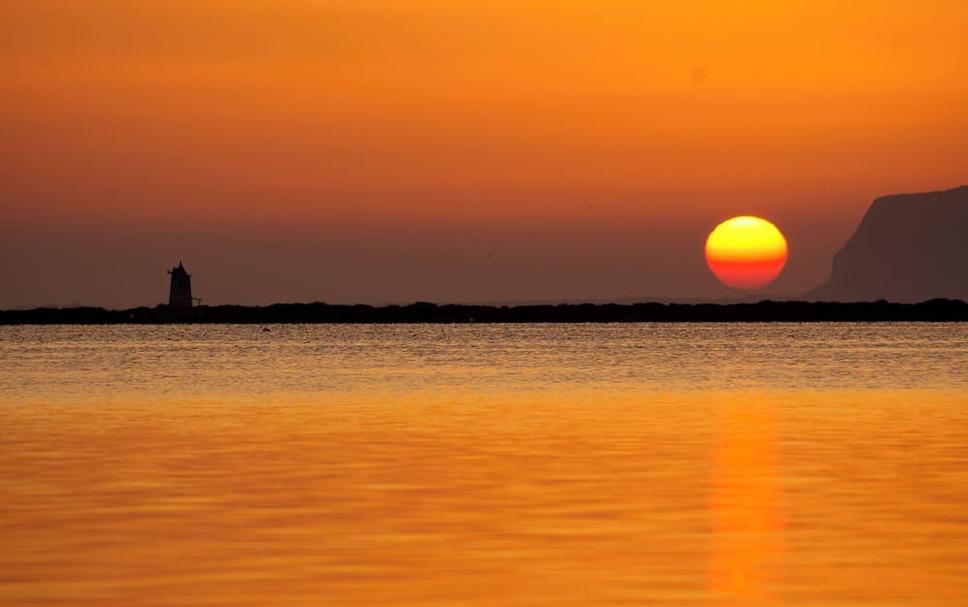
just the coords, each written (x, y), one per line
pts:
(746, 506)
(450, 498)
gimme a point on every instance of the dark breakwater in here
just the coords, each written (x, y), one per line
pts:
(936, 310)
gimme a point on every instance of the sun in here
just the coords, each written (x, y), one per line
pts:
(746, 252)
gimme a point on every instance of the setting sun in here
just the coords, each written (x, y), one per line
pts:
(746, 252)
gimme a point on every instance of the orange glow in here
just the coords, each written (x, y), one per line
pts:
(746, 252)
(486, 136)
(334, 110)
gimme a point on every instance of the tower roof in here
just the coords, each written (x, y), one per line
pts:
(179, 270)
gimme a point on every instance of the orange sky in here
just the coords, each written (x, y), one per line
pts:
(502, 150)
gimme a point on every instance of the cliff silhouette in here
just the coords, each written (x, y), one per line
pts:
(907, 248)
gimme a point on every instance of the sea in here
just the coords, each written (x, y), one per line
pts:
(484, 465)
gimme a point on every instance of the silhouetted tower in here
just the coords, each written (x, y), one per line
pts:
(180, 295)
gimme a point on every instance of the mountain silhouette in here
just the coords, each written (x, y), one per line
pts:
(907, 248)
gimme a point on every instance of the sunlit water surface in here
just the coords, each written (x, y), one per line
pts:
(484, 465)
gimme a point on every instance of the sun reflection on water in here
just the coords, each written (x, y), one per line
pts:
(746, 506)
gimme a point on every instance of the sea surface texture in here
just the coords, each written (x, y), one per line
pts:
(459, 465)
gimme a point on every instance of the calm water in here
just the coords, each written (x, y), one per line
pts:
(484, 465)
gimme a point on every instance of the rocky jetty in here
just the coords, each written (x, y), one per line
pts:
(423, 312)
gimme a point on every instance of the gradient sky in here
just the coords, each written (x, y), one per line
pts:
(389, 151)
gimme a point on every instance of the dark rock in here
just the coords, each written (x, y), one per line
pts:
(764, 311)
(908, 248)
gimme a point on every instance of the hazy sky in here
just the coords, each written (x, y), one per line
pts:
(389, 151)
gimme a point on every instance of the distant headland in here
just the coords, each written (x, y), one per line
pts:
(938, 310)
(907, 248)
